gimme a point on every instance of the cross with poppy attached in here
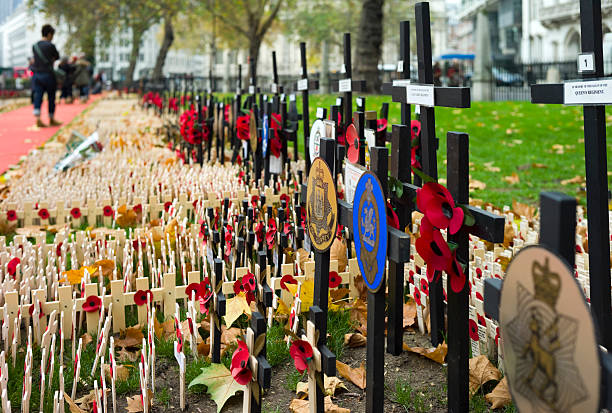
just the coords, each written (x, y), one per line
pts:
(250, 366)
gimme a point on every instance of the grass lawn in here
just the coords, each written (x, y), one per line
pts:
(542, 145)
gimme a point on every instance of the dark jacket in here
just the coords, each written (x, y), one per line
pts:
(44, 63)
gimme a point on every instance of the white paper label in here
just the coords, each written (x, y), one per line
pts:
(265, 98)
(343, 68)
(245, 149)
(370, 137)
(420, 94)
(590, 92)
(274, 88)
(400, 66)
(359, 102)
(344, 85)
(401, 82)
(338, 101)
(237, 90)
(251, 89)
(276, 164)
(302, 84)
(352, 173)
(320, 113)
(586, 63)
(292, 97)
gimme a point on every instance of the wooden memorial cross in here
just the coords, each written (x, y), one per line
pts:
(259, 365)
(264, 292)
(322, 218)
(586, 360)
(591, 66)
(218, 311)
(304, 85)
(348, 85)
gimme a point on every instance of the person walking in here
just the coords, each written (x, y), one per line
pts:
(45, 54)
(68, 69)
(82, 77)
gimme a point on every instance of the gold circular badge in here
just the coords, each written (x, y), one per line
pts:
(321, 206)
(253, 132)
(548, 336)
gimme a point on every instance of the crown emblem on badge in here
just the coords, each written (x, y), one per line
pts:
(547, 284)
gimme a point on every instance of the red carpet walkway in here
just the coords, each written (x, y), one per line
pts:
(19, 135)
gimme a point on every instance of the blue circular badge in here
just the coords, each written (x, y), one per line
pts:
(264, 135)
(370, 230)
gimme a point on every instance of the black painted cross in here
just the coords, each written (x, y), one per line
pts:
(217, 311)
(348, 85)
(430, 97)
(591, 66)
(275, 88)
(304, 85)
(558, 233)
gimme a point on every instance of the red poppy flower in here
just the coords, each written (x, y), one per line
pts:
(259, 231)
(438, 205)
(167, 206)
(243, 127)
(43, 213)
(455, 275)
(287, 228)
(334, 279)
(108, 211)
(424, 286)
(193, 288)
(250, 297)
(92, 303)
(240, 364)
(58, 249)
(40, 310)
(202, 229)
(473, 330)
(434, 251)
(411, 277)
(137, 208)
(275, 146)
(204, 299)
(392, 218)
(286, 198)
(11, 215)
(140, 297)
(497, 336)
(238, 287)
(381, 125)
(76, 213)
(339, 231)
(254, 200)
(478, 272)
(303, 217)
(11, 266)
(417, 296)
(481, 320)
(271, 233)
(287, 279)
(248, 282)
(291, 319)
(479, 296)
(301, 352)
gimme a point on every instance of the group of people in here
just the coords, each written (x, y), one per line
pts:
(71, 72)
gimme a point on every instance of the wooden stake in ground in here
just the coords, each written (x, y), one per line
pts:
(77, 369)
(260, 368)
(180, 356)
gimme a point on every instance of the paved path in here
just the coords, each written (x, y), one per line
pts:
(19, 135)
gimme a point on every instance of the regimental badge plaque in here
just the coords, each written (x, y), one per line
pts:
(550, 351)
(370, 228)
(253, 132)
(321, 206)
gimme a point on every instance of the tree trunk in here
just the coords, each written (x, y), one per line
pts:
(165, 46)
(136, 38)
(369, 44)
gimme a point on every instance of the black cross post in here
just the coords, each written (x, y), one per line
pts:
(275, 88)
(557, 232)
(318, 311)
(348, 85)
(304, 85)
(219, 309)
(596, 166)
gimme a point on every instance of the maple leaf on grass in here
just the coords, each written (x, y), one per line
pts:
(332, 384)
(500, 396)
(356, 375)
(437, 354)
(220, 384)
(302, 406)
(481, 372)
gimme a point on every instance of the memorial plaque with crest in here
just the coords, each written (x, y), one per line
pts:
(321, 206)
(548, 335)
(370, 228)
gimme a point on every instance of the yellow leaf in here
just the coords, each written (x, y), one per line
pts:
(331, 385)
(481, 372)
(500, 396)
(302, 406)
(356, 375)
(512, 179)
(282, 308)
(306, 293)
(72, 276)
(437, 354)
(234, 308)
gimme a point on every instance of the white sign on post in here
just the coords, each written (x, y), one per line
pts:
(400, 66)
(586, 63)
(302, 84)
(276, 164)
(274, 88)
(344, 85)
(590, 92)
(251, 89)
(370, 137)
(352, 173)
(401, 82)
(420, 94)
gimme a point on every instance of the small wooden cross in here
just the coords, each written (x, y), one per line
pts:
(259, 365)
